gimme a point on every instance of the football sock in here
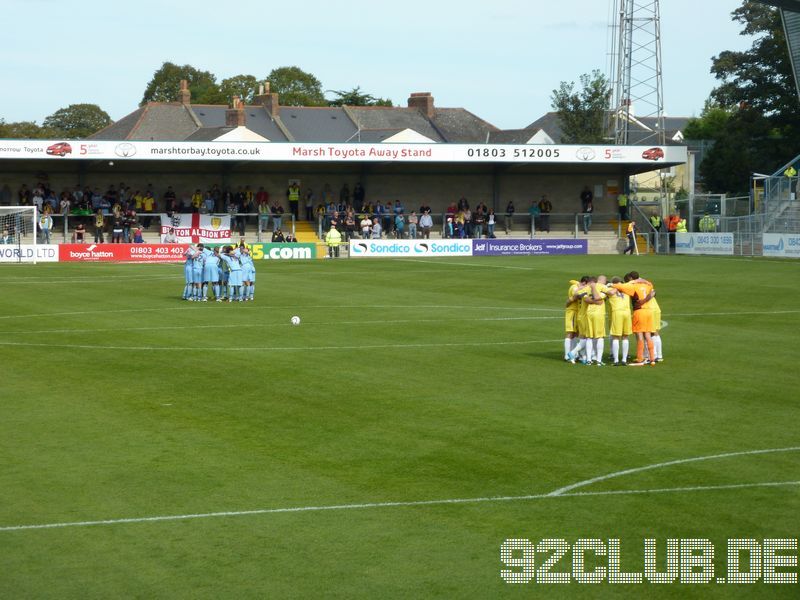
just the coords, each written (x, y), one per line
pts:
(639, 350)
(580, 346)
(599, 345)
(252, 290)
(589, 349)
(216, 291)
(625, 347)
(186, 290)
(567, 346)
(205, 290)
(650, 350)
(615, 349)
(657, 346)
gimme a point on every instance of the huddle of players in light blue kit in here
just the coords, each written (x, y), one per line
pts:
(230, 273)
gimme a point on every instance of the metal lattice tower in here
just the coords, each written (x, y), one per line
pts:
(637, 103)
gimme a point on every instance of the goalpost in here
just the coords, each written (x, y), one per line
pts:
(18, 233)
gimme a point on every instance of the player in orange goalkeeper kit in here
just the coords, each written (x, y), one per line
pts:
(642, 314)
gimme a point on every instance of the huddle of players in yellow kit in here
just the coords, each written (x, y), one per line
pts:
(634, 309)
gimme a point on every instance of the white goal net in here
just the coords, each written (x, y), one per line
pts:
(18, 234)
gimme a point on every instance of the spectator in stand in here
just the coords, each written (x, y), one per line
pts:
(79, 237)
(366, 227)
(128, 221)
(170, 237)
(116, 231)
(426, 223)
(170, 200)
(399, 226)
(293, 197)
(277, 236)
(97, 200)
(459, 223)
(350, 226)
(24, 195)
(545, 208)
(490, 223)
(207, 205)
(38, 198)
(290, 239)
(45, 226)
(452, 209)
(376, 228)
(112, 195)
(358, 196)
(467, 222)
(138, 236)
(463, 204)
(149, 203)
(388, 218)
(197, 200)
(65, 204)
(413, 221)
(478, 221)
(6, 237)
(99, 223)
(138, 201)
(533, 212)
(587, 206)
(277, 215)
(309, 202)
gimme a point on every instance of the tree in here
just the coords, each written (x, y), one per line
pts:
(20, 130)
(166, 81)
(582, 112)
(757, 90)
(711, 122)
(356, 97)
(296, 87)
(244, 86)
(78, 120)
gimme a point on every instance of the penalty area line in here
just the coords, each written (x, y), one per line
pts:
(400, 504)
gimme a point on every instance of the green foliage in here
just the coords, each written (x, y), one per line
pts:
(356, 97)
(582, 112)
(244, 86)
(711, 122)
(753, 115)
(21, 130)
(165, 85)
(296, 87)
(77, 120)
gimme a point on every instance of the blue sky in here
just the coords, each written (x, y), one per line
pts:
(500, 59)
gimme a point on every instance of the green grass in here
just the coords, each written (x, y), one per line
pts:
(407, 381)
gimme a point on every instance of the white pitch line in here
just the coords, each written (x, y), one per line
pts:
(410, 503)
(661, 465)
(279, 348)
(249, 325)
(479, 266)
(193, 306)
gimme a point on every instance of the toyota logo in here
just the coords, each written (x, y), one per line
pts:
(125, 149)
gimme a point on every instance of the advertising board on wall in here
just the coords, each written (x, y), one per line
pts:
(783, 245)
(12, 253)
(704, 243)
(137, 253)
(528, 247)
(61, 150)
(409, 248)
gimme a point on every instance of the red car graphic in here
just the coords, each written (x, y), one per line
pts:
(653, 154)
(59, 149)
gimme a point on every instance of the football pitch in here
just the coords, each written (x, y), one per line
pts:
(420, 416)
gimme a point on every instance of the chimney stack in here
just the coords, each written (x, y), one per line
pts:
(234, 116)
(422, 101)
(268, 100)
(184, 95)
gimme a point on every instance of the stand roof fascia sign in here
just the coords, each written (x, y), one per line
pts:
(655, 157)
